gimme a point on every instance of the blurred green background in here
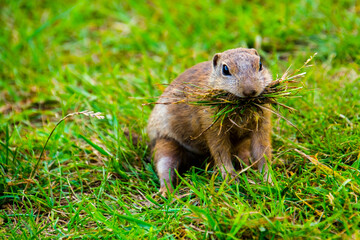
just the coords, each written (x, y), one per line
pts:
(58, 57)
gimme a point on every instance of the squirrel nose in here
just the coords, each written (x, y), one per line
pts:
(249, 92)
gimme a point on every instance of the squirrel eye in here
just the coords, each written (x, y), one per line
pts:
(260, 66)
(225, 70)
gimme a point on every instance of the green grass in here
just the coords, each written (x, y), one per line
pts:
(59, 57)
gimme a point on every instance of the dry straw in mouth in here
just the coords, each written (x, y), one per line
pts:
(280, 88)
(228, 104)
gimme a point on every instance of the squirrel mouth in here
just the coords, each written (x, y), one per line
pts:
(243, 96)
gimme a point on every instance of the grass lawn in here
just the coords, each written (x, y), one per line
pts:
(113, 57)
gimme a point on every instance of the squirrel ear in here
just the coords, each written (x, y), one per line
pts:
(215, 59)
(254, 51)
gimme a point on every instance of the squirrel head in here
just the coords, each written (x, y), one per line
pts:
(240, 72)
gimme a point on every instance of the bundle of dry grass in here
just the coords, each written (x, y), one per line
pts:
(283, 87)
(228, 105)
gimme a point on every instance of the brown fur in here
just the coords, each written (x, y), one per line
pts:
(180, 134)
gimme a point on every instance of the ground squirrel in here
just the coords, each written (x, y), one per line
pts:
(172, 127)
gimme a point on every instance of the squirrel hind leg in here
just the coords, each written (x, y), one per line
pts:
(167, 159)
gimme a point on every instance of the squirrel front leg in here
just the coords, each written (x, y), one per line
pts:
(261, 146)
(218, 142)
(220, 151)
